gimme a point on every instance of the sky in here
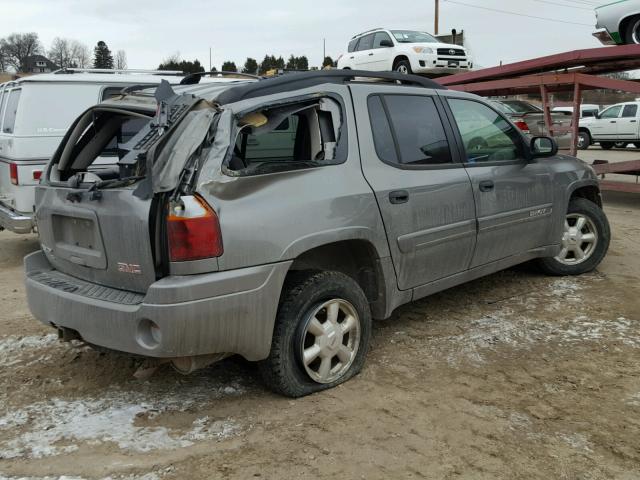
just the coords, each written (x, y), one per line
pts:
(151, 30)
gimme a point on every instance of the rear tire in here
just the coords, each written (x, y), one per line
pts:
(584, 140)
(307, 334)
(621, 144)
(403, 66)
(632, 32)
(606, 145)
(587, 229)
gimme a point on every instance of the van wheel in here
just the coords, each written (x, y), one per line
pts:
(321, 335)
(637, 145)
(402, 66)
(584, 140)
(620, 144)
(606, 145)
(585, 240)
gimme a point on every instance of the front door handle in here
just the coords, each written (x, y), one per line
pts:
(398, 196)
(371, 54)
(632, 121)
(612, 121)
(486, 186)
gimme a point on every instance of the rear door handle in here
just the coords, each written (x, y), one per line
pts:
(632, 121)
(612, 121)
(486, 186)
(371, 54)
(398, 196)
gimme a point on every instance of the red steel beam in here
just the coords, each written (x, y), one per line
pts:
(603, 59)
(575, 118)
(630, 167)
(611, 186)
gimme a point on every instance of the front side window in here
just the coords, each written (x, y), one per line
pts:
(629, 111)
(612, 112)
(11, 110)
(366, 43)
(352, 45)
(379, 38)
(487, 137)
(416, 130)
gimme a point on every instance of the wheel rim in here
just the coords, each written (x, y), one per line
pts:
(330, 340)
(579, 239)
(582, 141)
(402, 69)
(636, 32)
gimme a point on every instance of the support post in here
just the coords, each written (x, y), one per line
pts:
(544, 93)
(575, 118)
(436, 21)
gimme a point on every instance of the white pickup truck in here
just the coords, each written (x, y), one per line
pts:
(35, 113)
(617, 125)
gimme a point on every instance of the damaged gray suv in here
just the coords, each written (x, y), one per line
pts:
(276, 218)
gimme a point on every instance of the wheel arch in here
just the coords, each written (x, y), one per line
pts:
(398, 58)
(588, 190)
(357, 258)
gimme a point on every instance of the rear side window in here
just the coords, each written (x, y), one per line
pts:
(629, 111)
(366, 43)
(11, 110)
(416, 129)
(382, 136)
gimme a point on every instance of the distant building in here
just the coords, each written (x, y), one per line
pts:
(38, 64)
(454, 38)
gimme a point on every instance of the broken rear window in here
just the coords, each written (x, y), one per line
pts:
(287, 137)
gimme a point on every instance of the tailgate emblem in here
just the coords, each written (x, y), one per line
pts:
(129, 268)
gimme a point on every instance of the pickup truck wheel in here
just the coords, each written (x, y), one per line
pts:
(632, 33)
(585, 240)
(584, 140)
(321, 335)
(637, 145)
(607, 145)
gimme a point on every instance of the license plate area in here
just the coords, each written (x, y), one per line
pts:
(77, 239)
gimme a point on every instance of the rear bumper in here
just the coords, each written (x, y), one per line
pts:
(224, 312)
(15, 221)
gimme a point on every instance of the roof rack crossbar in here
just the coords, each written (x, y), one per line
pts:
(195, 77)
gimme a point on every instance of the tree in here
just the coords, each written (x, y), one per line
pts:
(80, 54)
(102, 57)
(60, 52)
(250, 66)
(4, 60)
(328, 62)
(229, 66)
(174, 62)
(297, 63)
(18, 46)
(121, 60)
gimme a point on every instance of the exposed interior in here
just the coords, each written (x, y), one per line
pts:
(286, 137)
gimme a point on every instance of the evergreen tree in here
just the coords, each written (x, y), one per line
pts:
(102, 57)
(250, 66)
(229, 66)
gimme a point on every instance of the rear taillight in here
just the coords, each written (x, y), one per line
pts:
(522, 125)
(193, 229)
(13, 173)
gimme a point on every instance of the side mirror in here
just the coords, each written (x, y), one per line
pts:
(386, 43)
(543, 147)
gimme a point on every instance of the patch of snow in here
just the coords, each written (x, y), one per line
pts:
(57, 426)
(12, 347)
(576, 440)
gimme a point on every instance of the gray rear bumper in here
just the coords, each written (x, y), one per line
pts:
(224, 312)
(15, 221)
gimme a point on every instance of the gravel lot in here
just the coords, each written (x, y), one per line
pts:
(513, 376)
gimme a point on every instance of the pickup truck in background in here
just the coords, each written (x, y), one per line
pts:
(530, 119)
(617, 125)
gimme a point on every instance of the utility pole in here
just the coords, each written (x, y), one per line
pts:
(324, 49)
(436, 20)
(209, 58)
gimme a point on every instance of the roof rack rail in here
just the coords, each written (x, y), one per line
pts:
(194, 78)
(71, 70)
(296, 81)
(368, 31)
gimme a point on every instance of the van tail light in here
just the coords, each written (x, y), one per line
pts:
(13, 173)
(193, 229)
(522, 125)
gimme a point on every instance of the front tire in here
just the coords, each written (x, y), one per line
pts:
(584, 140)
(321, 335)
(403, 66)
(585, 240)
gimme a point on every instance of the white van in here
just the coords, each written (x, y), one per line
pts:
(35, 113)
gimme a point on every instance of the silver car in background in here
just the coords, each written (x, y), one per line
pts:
(618, 23)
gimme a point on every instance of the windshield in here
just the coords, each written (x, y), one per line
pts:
(518, 106)
(409, 36)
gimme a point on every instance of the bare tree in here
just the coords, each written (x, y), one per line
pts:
(60, 52)
(80, 54)
(19, 46)
(121, 60)
(4, 60)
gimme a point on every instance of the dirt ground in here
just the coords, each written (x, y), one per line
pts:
(514, 376)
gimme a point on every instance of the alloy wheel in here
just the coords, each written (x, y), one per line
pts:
(329, 340)
(579, 239)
